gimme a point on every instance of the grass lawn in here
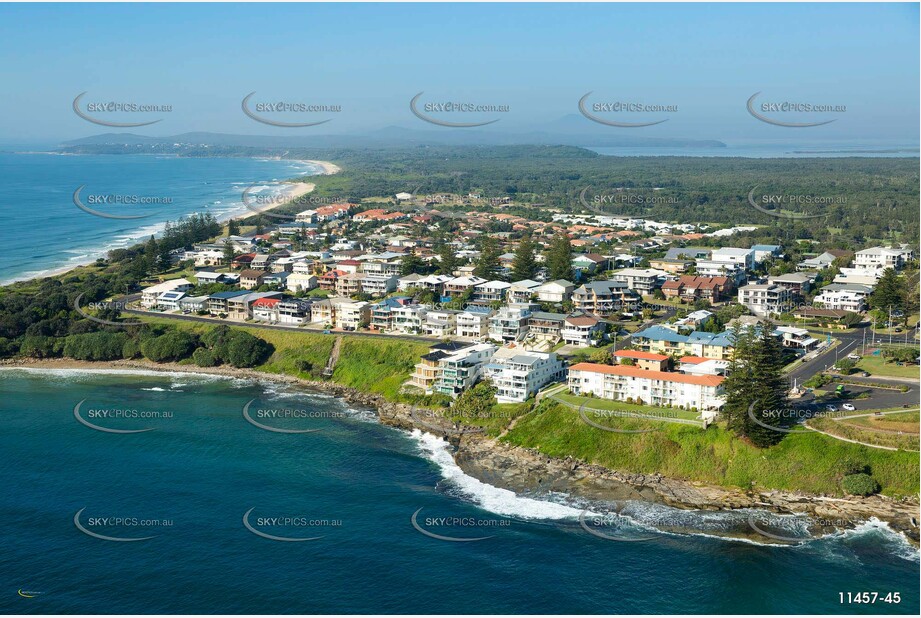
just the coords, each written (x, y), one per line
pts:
(878, 366)
(656, 413)
(804, 461)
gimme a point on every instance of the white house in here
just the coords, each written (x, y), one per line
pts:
(518, 376)
(473, 322)
(555, 291)
(764, 298)
(150, 295)
(301, 282)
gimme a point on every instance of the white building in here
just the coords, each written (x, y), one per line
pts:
(301, 282)
(580, 330)
(473, 322)
(657, 388)
(518, 376)
(845, 300)
(743, 258)
(409, 318)
(149, 295)
(555, 291)
(351, 315)
(763, 299)
(169, 301)
(458, 371)
(881, 258)
(642, 280)
(510, 323)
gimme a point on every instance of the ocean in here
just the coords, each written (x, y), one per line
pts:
(48, 232)
(353, 487)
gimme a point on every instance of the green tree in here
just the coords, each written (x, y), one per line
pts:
(525, 264)
(755, 387)
(233, 227)
(447, 260)
(411, 263)
(889, 291)
(228, 253)
(476, 402)
(559, 257)
(487, 264)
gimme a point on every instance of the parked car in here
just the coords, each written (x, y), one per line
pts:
(830, 408)
(853, 356)
(849, 407)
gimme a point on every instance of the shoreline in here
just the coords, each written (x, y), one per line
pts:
(290, 189)
(520, 469)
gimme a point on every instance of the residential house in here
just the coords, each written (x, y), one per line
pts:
(459, 285)
(241, 307)
(352, 315)
(193, 304)
(881, 258)
(582, 330)
(301, 282)
(409, 318)
(169, 301)
(473, 322)
(490, 292)
(764, 299)
(440, 323)
(150, 295)
(545, 326)
(824, 260)
(251, 279)
(557, 291)
(641, 280)
(522, 291)
(510, 323)
(650, 361)
(798, 283)
(294, 311)
(266, 309)
(217, 302)
(672, 267)
(590, 263)
(604, 297)
(518, 376)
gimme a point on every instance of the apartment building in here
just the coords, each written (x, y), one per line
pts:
(881, 258)
(408, 318)
(473, 322)
(352, 315)
(763, 299)
(459, 370)
(658, 388)
(691, 288)
(641, 280)
(510, 323)
(604, 297)
(841, 299)
(545, 326)
(440, 323)
(518, 376)
(582, 330)
(294, 311)
(664, 340)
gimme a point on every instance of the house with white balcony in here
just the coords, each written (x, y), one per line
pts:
(150, 295)
(841, 299)
(556, 291)
(293, 311)
(408, 319)
(604, 297)
(490, 292)
(440, 323)
(510, 323)
(582, 330)
(742, 258)
(459, 369)
(301, 282)
(881, 258)
(351, 315)
(518, 376)
(522, 291)
(473, 322)
(763, 299)
(641, 280)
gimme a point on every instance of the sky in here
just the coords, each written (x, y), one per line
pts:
(537, 59)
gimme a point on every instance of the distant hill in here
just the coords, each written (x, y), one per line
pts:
(568, 131)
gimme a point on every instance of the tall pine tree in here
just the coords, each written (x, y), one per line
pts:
(525, 264)
(559, 257)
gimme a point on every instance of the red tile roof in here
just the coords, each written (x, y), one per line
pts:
(640, 354)
(636, 372)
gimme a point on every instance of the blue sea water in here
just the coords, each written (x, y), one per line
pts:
(356, 485)
(46, 231)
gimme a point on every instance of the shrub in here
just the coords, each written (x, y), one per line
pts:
(245, 350)
(98, 346)
(173, 345)
(861, 484)
(203, 357)
(38, 346)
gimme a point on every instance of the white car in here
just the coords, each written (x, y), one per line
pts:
(849, 406)
(830, 408)
(854, 356)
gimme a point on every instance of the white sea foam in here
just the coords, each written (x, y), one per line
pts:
(493, 499)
